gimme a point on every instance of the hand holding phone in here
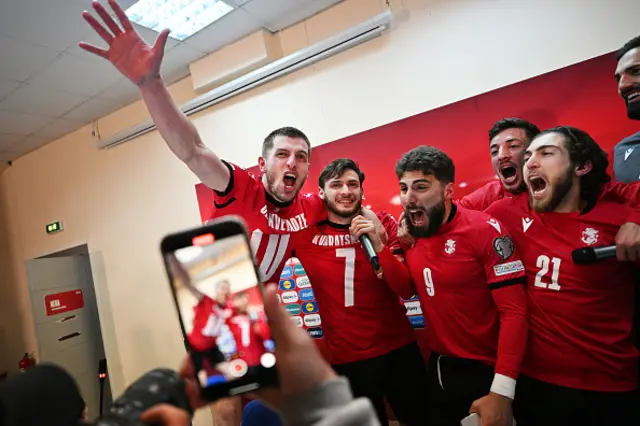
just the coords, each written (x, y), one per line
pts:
(218, 295)
(471, 420)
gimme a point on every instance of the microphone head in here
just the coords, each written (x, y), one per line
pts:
(584, 256)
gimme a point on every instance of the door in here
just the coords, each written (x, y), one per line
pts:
(67, 323)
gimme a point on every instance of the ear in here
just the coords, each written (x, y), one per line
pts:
(448, 191)
(583, 169)
(320, 192)
(262, 164)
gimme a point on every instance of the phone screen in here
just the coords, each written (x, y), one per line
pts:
(219, 301)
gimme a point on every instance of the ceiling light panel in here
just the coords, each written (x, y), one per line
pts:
(183, 17)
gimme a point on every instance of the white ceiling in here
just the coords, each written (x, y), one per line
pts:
(50, 87)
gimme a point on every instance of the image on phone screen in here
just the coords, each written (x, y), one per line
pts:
(221, 309)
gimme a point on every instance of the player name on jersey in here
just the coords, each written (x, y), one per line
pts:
(334, 240)
(291, 224)
(296, 294)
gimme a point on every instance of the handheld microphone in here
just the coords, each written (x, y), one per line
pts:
(589, 255)
(372, 256)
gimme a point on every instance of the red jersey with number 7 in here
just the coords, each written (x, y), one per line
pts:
(270, 223)
(362, 317)
(250, 336)
(581, 316)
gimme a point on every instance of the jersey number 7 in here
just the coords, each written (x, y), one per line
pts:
(349, 268)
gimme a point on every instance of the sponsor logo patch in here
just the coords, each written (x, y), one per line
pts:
(315, 332)
(289, 297)
(299, 270)
(503, 247)
(287, 272)
(417, 321)
(312, 320)
(413, 308)
(293, 308)
(306, 294)
(508, 268)
(287, 284)
(303, 282)
(309, 307)
(297, 320)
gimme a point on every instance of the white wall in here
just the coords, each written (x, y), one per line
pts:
(122, 201)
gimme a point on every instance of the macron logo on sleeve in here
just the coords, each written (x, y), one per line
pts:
(526, 223)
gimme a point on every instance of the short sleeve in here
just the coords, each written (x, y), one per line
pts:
(242, 186)
(500, 257)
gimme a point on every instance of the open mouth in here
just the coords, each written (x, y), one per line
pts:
(633, 96)
(289, 180)
(509, 173)
(345, 201)
(418, 217)
(538, 186)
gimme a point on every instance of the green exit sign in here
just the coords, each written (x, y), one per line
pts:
(54, 227)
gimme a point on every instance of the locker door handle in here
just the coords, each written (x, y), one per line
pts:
(68, 336)
(65, 319)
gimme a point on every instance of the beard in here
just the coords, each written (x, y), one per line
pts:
(333, 207)
(633, 110)
(435, 217)
(272, 187)
(559, 192)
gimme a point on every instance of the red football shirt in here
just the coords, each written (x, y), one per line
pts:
(617, 192)
(580, 316)
(208, 319)
(362, 317)
(270, 223)
(249, 337)
(468, 277)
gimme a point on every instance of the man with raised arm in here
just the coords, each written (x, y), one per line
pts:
(270, 204)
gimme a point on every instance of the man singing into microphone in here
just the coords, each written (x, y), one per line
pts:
(581, 363)
(469, 279)
(368, 334)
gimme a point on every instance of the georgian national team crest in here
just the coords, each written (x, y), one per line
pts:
(590, 236)
(450, 246)
(503, 246)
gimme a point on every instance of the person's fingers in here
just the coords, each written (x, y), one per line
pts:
(187, 371)
(122, 17)
(161, 41)
(93, 49)
(97, 27)
(167, 415)
(279, 320)
(106, 18)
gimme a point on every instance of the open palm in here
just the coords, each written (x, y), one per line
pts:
(134, 58)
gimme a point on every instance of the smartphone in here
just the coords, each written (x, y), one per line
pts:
(474, 420)
(471, 420)
(218, 295)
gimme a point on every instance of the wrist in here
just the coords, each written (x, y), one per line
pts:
(504, 386)
(378, 246)
(151, 84)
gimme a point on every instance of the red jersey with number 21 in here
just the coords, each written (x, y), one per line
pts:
(580, 332)
(270, 223)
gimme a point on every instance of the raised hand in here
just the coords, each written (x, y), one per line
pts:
(127, 51)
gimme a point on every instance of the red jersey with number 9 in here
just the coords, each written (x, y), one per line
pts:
(361, 315)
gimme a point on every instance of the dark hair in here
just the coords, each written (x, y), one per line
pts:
(582, 150)
(428, 160)
(337, 168)
(631, 44)
(530, 129)
(290, 132)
